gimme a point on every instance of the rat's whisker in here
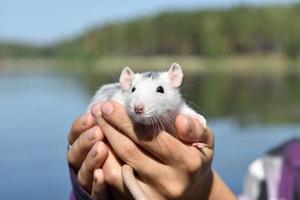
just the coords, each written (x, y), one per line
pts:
(156, 125)
(150, 108)
(192, 104)
(152, 122)
(159, 123)
(169, 122)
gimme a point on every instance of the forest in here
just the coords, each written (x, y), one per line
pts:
(214, 32)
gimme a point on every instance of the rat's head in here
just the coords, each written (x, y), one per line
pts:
(152, 95)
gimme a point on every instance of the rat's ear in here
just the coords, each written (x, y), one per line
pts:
(175, 74)
(126, 78)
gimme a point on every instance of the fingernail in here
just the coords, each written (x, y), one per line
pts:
(96, 111)
(91, 134)
(107, 108)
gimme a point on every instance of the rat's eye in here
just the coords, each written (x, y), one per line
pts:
(160, 89)
(133, 89)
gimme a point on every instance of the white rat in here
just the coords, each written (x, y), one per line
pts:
(151, 99)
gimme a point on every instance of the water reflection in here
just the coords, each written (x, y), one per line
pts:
(246, 98)
(36, 111)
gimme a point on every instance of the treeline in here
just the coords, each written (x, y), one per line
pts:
(239, 30)
(209, 32)
(15, 49)
(8, 49)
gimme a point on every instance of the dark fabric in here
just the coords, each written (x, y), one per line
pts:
(290, 171)
(78, 192)
(263, 195)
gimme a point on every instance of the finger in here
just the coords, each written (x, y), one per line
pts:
(112, 171)
(164, 146)
(94, 159)
(112, 176)
(99, 188)
(209, 150)
(130, 153)
(80, 125)
(190, 129)
(80, 148)
(146, 167)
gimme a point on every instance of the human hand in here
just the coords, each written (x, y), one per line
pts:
(166, 168)
(87, 154)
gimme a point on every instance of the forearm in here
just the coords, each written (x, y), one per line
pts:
(219, 190)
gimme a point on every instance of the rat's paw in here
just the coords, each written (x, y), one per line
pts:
(199, 145)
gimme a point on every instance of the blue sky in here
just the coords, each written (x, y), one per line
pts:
(41, 21)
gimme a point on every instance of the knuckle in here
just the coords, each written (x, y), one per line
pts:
(84, 143)
(97, 155)
(82, 180)
(74, 129)
(75, 124)
(128, 150)
(88, 164)
(80, 143)
(194, 165)
(70, 159)
(175, 191)
(102, 151)
(98, 177)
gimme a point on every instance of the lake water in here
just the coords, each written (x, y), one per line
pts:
(36, 111)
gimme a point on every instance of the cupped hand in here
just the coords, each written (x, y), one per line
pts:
(86, 155)
(165, 167)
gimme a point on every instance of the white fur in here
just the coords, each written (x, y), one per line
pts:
(161, 105)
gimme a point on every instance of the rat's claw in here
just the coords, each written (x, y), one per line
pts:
(200, 145)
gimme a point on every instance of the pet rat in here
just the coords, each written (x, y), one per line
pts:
(151, 99)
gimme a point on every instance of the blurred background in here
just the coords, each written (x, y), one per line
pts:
(240, 58)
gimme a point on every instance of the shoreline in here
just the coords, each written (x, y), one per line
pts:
(273, 64)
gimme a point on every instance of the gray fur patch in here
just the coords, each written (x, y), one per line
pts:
(153, 75)
(111, 89)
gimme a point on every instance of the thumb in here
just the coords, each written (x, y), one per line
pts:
(189, 129)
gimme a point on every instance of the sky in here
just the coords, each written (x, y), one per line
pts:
(45, 22)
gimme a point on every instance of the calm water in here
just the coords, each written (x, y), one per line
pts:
(36, 111)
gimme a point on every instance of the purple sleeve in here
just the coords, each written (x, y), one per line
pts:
(78, 192)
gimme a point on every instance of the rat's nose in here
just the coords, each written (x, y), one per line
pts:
(139, 109)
